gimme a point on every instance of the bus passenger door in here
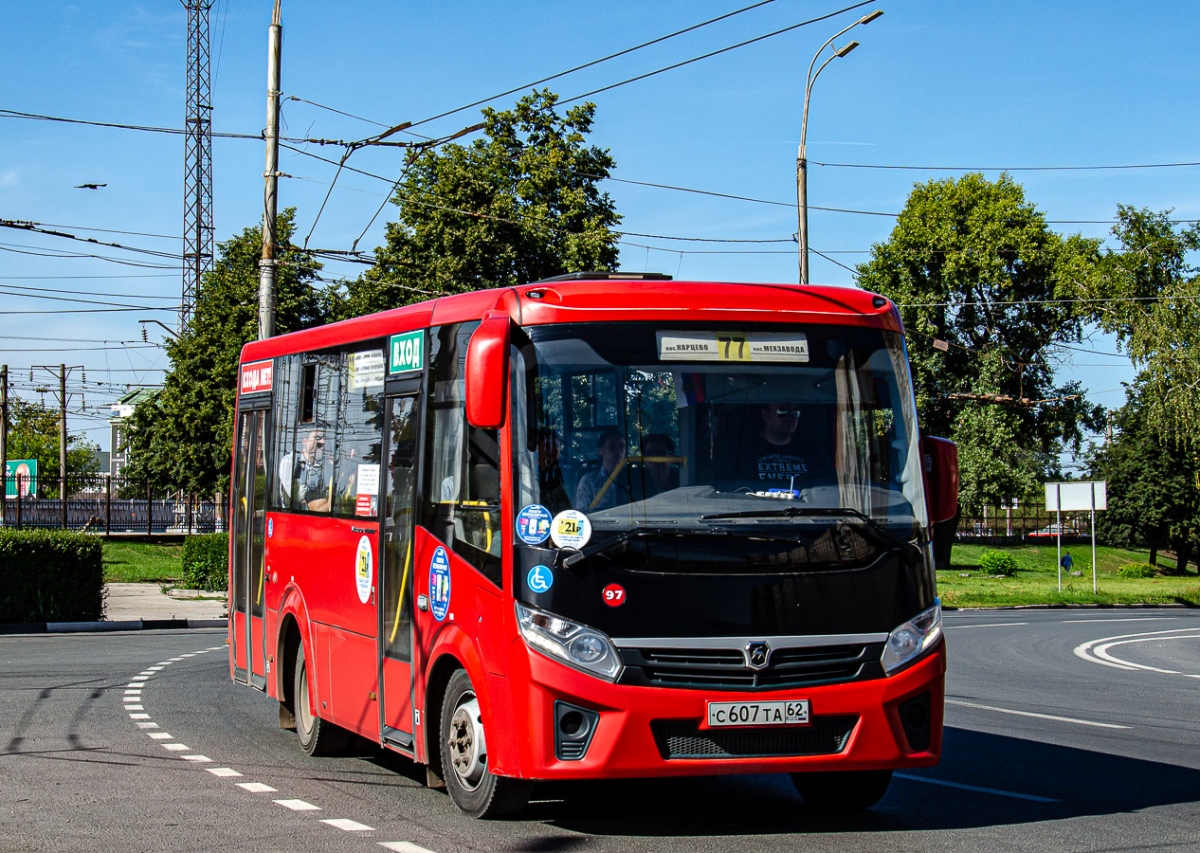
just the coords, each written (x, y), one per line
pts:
(247, 631)
(402, 430)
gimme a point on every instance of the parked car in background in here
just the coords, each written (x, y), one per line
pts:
(1052, 531)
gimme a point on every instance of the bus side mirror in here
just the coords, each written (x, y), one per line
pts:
(940, 458)
(941, 477)
(487, 373)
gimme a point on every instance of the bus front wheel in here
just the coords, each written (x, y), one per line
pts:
(845, 791)
(475, 790)
(317, 736)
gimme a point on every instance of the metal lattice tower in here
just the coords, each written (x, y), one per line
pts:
(197, 165)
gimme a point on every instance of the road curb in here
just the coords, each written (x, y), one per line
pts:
(101, 627)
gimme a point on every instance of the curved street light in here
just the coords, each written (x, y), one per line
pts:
(802, 155)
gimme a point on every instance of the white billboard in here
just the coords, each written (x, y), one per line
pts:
(1077, 495)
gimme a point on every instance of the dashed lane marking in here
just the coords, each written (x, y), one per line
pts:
(133, 697)
(298, 805)
(348, 825)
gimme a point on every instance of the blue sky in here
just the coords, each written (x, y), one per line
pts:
(941, 86)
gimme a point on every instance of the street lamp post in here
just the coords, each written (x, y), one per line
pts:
(802, 155)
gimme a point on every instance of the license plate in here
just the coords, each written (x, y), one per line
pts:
(783, 713)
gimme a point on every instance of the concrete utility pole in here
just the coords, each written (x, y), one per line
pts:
(3, 440)
(266, 266)
(62, 441)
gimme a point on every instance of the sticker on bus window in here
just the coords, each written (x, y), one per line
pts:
(733, 346)
(570, 529)
(439, 584)
(365, 369)
(540, 579)
(364, 569)
(533, 524)
(366, 497)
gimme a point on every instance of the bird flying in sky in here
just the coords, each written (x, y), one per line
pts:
(89, 186)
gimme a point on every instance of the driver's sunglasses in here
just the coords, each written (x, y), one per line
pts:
(787, 413)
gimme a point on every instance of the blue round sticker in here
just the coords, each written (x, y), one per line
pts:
(533, 524)
(270, 527)
(439, 584)
(540, 579)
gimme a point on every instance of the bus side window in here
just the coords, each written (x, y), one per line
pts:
(463, 506)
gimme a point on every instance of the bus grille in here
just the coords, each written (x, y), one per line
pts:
(683, 739)
(725, 669)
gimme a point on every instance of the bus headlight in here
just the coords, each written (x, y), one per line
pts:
(574, 644)
(909, 641)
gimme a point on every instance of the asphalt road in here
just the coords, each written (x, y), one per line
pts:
(1066, 730)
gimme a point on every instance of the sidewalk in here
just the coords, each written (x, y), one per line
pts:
(145, 601)
(138, 607)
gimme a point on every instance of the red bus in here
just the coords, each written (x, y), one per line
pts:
(601, 526)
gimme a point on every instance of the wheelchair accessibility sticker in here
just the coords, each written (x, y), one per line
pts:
(540, 579)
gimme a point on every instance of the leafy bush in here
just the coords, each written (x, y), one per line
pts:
(50, 576)
(997, 563)
(206, 562)
(1137, 570)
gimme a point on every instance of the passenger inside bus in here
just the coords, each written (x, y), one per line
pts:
(552, 491)
(595, 491)
(303, 476)
(773, 456)
(658, 473)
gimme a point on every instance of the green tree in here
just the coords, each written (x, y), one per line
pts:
(1149, 295)
(1151, 479)
(183, 438)
(520, 204)
(34, 434)
(977, 274)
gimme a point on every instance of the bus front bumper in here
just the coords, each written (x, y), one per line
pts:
(581, 727)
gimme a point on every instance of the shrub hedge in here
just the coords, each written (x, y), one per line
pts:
(997, 563)
(1137, 570)
(50, 576)
(206, 562)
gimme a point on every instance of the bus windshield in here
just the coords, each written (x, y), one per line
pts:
(651, 427)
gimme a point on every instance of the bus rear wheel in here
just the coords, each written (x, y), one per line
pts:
(317, 736)
(844, 791)
(475, 790)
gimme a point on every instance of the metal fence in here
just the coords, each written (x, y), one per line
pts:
(1023, 524)
(102, 504)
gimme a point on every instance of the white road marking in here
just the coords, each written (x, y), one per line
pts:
(990, 625)
(177, 747)
(1127, 619)
(155, 668)
(161, 735)
(1038, 716)
(199, 759)
(298, 805)
(139, 678)
(348, 825)
(404, 847)
(137, 691)
(136, 684)
(139, 716)
(257, 787)
(135, 708)
(224, 772)
(1096, 651)
(147, 725)
(996, 791)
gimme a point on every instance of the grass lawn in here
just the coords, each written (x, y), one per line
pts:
(1036, 579)
(137, 562)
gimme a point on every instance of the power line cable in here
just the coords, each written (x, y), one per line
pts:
(713, 53)
(601, 60)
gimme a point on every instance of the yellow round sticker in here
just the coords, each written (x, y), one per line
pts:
(364, 569)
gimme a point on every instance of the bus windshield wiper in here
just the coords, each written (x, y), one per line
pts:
(841, 513)
(568, 557)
